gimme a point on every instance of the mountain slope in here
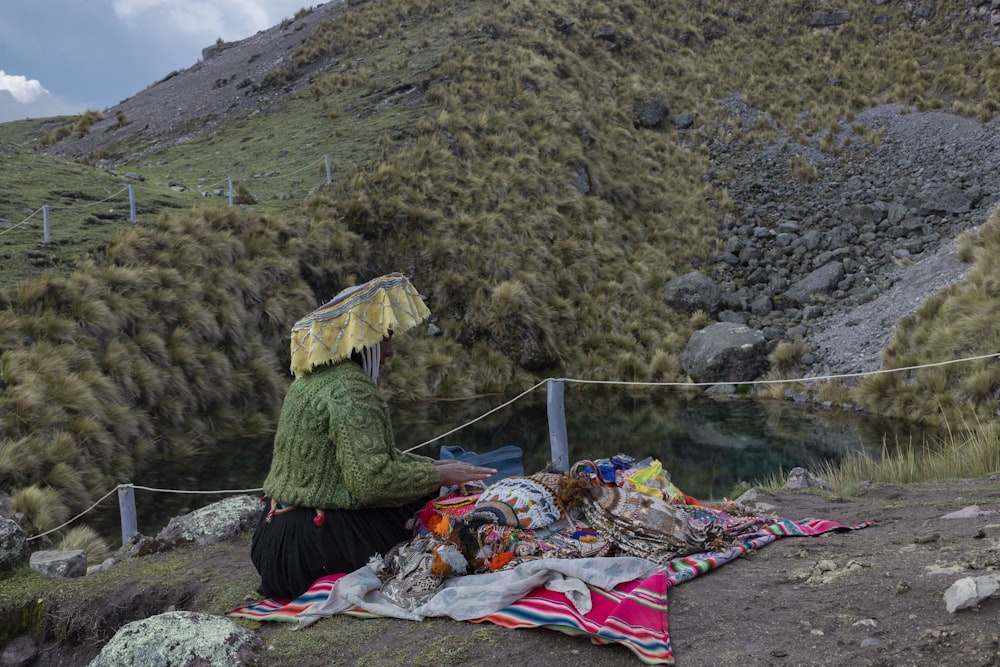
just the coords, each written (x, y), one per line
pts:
(540, 170)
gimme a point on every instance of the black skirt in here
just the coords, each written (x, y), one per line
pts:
(290, 551)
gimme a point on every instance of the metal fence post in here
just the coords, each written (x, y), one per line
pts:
(326, 159)
(126, 506)
(557, 425)
(45, 224)
(230, 190)
(131, 203)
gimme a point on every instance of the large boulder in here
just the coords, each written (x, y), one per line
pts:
(800, 478)
(725, 352)
(180, 638)
(968, 592)
(19, 652)
(13, 544)
(213, 523)
(651, 112)
(692, 291)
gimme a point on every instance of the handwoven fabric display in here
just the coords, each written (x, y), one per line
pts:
(519, 502)
(649, 527)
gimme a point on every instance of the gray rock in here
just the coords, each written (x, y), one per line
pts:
(651, 112)
(725, 352)
(60, 563)
(13, 545)
(683, 120)
(820, 281)
(761, 306)
(968, 512)
(692, 291)
(581, 179)
(968, 592)
(19, 652)
(948, 199)
(830, 18)
(800, 478)
(212, 523)
(181, 638)
(607, 35)
(103, 566)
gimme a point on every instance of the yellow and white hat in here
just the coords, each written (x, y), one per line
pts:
(358, 317)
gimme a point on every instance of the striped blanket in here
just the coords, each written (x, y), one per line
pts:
(632, 613)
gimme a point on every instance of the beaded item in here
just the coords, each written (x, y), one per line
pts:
(520, 502)
(406, 573)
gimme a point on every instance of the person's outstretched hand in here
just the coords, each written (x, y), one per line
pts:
(458, 472)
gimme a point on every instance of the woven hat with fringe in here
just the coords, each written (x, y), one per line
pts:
(356, 320)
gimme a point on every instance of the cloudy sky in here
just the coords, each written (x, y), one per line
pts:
(63, 57)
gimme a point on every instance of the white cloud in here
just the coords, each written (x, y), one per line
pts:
(21, 88)
(208, 20)
(128, 45)
(45, 105)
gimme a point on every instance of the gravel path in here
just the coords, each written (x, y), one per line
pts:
(853, 341)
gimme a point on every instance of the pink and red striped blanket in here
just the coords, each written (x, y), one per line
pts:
(633, 613)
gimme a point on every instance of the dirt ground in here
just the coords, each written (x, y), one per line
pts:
(867, 597)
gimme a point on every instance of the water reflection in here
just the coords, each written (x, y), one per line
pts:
(707, 445)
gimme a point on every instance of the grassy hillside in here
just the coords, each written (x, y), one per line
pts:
(493, 151)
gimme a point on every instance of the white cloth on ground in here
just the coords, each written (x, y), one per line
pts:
(478, 595)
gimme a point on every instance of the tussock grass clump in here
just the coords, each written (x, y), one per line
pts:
(969, 452)
(972, 452)
(177, 340)
(86, 539)
(786, 359)
(38, 508)
(834, 392)
(85, 121)
(803, 170)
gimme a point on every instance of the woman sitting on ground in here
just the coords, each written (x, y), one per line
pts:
(339, 491)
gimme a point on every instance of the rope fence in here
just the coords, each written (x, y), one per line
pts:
(557, 432)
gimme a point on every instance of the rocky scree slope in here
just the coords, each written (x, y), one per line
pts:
(229, 81)
(839, 258)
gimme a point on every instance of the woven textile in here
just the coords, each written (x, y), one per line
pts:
(633, 614)
(648, 527)
(357, 318)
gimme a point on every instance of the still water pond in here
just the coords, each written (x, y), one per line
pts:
(707, 445)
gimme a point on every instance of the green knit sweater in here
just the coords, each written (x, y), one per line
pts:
(335, 449)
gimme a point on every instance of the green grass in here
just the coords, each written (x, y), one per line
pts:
(971, 451)
(212, 578)
(954, 324)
